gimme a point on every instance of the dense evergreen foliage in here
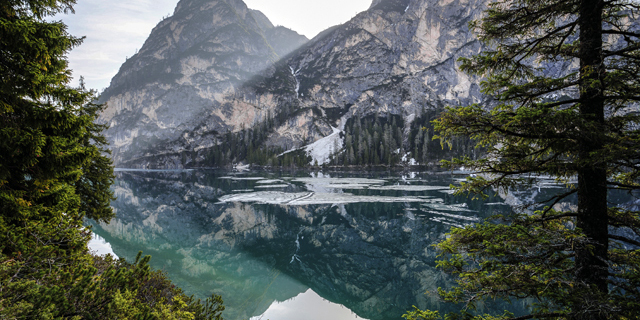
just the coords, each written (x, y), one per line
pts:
(388, 141)
(53, 174)
(582, 264)
(371, 140)
(249, 145)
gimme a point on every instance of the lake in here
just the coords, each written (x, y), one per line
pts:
(302, 245)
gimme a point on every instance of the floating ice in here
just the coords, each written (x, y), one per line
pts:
(447, 222)
(269, 181)
(272, 186)
(446, 207)
(455, 216)
(309, 198)
(356, 186)
(244, 178)
(409, 188)
(270, 197)
(327, 184)
(337, 181)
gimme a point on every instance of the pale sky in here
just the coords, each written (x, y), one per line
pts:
(115, 29)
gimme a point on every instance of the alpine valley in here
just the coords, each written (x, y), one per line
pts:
(217, 83)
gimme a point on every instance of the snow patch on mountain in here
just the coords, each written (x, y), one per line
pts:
(321, 150)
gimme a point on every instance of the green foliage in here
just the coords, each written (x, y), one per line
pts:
(53, 174)
(371, 140)
(426, 150)
(582, 123)
(100, 288)
(250, 145)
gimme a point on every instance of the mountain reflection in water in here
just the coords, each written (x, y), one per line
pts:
(259, 239)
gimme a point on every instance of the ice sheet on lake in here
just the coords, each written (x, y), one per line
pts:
(322, 184)
(269, 181)
(272, 186)
(353, 186)
(309, 198)
(244, 178)
(409, 188)
(446, 221)
(455, 216)
(338, 181)
(447, 207)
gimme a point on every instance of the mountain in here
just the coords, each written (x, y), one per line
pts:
(190, 61)
(198, 78)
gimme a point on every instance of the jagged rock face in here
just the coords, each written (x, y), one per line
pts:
(397, 57)
(190, 61)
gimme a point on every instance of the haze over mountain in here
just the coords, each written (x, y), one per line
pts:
(216, 66)
(190, 61)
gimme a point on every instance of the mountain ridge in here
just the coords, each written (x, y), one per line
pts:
(200, 53)
(398, 57)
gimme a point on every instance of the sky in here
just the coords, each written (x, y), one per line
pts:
(116, 29)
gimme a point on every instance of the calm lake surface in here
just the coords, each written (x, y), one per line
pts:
(302, 245)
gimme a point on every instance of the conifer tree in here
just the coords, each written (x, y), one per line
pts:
(53, 174)
(582, 123)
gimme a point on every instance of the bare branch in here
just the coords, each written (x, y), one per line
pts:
(624, 239)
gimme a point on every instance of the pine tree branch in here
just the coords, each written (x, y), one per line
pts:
(555, 217)
(623, 185)
(543, 315)
(625, 239)
(620, 32)
(557, 200)
(630, 48)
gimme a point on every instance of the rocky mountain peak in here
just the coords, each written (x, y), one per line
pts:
(374, 3)
(192, 59)
(216, 66)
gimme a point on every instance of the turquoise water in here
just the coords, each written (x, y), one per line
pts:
(305, 245)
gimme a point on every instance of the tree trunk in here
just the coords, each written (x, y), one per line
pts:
(591, 266)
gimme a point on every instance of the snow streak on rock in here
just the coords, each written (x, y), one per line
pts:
(295, 76)
(321, 150)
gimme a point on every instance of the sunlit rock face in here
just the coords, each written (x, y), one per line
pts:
(186, 67)
(398, 57)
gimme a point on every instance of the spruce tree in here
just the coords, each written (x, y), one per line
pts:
(53, 174)
(582, 123)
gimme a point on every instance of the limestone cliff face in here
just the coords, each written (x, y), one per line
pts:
(397, 57)
(192, 81)
(190, 61)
